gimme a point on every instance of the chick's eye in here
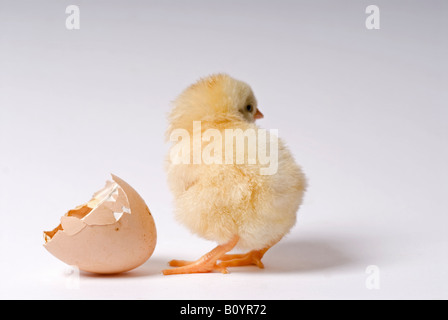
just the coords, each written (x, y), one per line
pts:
(249, 108)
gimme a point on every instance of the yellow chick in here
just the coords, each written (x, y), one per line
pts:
(233, 182)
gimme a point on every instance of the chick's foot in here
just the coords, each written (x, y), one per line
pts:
(199, 266)
(180, 263)
(247, 259)
(207, 263)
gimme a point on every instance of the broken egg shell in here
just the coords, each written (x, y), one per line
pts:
(112, 233)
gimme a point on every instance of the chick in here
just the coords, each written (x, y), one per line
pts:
(232, 203)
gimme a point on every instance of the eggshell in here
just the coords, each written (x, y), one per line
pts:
(114, 232)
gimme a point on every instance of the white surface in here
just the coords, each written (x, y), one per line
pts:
(364, 112)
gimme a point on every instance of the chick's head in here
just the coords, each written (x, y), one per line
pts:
(217, 98)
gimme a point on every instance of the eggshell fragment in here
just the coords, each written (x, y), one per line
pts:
(114, 232)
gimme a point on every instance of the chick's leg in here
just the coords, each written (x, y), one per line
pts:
(207, 263)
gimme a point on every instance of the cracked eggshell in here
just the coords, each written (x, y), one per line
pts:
(114, 232)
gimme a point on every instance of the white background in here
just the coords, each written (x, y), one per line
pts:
(363, 111)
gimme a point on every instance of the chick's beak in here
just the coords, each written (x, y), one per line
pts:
(258, 115)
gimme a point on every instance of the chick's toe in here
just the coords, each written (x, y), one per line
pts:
(207, 263)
